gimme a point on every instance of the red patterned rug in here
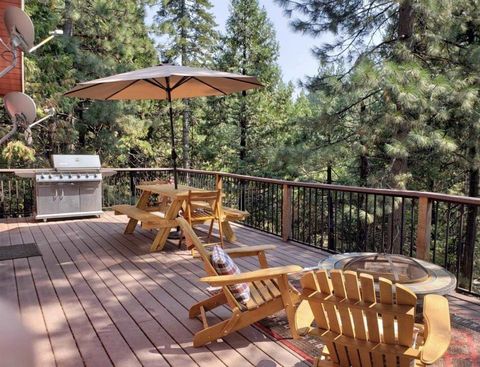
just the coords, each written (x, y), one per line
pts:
(464, 350)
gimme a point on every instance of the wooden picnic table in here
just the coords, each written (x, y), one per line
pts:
(177, 197)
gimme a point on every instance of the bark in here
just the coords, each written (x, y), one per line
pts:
(364, 163)
(331, 213)
(186, 110)
(405, 31)
(405, 20)
(243, 130)
(186, 135)
(399, 165)
(68, 25)
(471, 222)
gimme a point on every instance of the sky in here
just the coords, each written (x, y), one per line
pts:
(296, 60)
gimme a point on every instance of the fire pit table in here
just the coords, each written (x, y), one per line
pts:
(421, 277)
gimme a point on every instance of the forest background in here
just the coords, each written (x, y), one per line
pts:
(395, 102)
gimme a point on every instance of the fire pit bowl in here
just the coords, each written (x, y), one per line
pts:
(421, 277)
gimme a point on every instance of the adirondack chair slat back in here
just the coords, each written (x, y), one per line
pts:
(358, 329)
(205, 256)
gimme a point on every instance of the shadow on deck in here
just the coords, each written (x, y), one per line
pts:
(99, 298)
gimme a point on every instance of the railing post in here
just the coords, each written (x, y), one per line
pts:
(424, 228)
(286, 212)
(218, 182)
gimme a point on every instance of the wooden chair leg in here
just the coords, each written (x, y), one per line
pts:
(208, 304)
(220, 232)
(210, 230)
(209, 334)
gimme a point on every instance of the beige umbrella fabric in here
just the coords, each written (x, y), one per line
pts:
(154, 83)
(165, 82)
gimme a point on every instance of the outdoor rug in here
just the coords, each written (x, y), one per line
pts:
(19, 251)
(464, 350)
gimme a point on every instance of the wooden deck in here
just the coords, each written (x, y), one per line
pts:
(97, 297)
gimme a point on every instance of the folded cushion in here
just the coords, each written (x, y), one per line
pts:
(224, 265)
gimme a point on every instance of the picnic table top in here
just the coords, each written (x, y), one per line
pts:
(169, 190)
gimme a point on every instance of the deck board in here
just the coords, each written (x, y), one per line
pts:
(98, 297)
(187, 272)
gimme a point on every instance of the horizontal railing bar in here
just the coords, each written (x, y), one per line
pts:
(364, 190)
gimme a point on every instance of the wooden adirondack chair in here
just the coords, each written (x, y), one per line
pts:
(360, 330)
(270, 290)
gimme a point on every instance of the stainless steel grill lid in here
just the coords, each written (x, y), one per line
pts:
(74, 162)
(397, 268)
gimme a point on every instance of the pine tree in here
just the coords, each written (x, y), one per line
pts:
(100, 38)
(249, 47)
(188, 36)
(390, 48)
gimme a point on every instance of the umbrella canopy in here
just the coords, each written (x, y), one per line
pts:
(165, 82)
(156, 82)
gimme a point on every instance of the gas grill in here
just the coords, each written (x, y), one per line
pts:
(72, 189)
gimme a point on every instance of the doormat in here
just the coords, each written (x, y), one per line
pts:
(19, 251)
(462, 352)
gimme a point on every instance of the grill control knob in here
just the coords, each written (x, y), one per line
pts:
(49, 176)
(78, 175)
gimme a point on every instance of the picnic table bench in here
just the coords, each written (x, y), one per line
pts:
(147, 219)
(165, 221)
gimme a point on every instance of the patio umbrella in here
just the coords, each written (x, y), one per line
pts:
(168, 82)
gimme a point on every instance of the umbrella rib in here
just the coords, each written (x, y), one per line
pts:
(245, 81)
(80, 89)
(122, 89)
(181, 81)
(156, 83)
(209, 85)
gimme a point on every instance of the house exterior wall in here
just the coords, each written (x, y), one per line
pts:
(13, 81)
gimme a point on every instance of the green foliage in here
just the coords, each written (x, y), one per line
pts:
(409, 92)
(187, 31)
(188, 37)
(100, 38)
(17, 154)
(244, 130)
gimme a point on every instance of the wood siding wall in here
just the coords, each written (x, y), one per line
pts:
(13, 81)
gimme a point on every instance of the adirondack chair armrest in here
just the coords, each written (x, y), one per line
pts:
(248, 250)
(251, 276)
(437, 328)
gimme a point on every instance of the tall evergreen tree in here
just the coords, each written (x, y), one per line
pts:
(250, 47)
(390, 48)
(188, 37)
(100, 38)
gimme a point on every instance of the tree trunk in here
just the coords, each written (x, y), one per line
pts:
(405, 20)
(467, 255)
(399, 167)
(364, 164)
(405, 30)
(331, 213)
(364, 169)
(186, 110)
(243, 130)
(68, 25)
(186, 135)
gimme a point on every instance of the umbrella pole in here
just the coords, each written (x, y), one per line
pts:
(172, 137)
